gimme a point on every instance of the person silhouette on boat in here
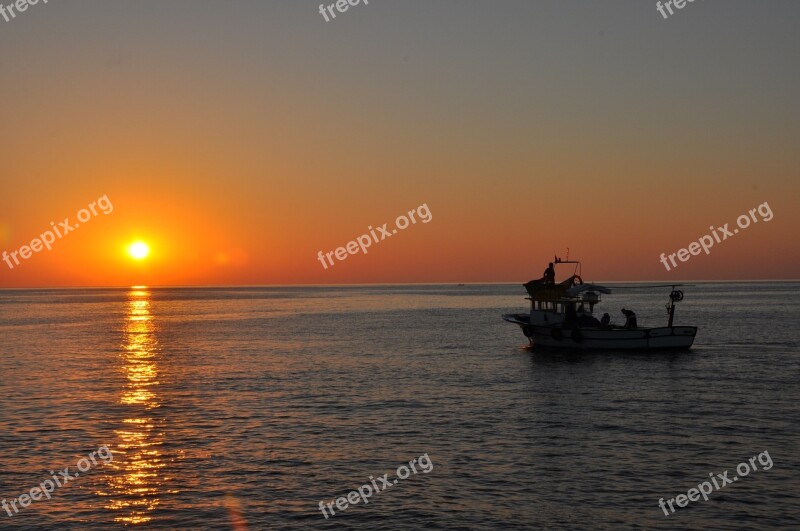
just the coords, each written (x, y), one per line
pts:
(605, 321)
(630, 318)
(550, 274)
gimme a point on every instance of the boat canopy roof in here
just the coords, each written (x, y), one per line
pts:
(572, 287)
(540, 290)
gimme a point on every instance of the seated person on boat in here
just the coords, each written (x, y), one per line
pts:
(630, 318)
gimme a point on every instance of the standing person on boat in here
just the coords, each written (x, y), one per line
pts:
(550, 274)
(630, 318)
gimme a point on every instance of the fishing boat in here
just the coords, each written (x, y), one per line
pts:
(562, 315)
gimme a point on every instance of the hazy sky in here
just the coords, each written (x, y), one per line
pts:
(239, 138)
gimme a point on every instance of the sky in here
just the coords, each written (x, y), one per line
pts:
(239, 139)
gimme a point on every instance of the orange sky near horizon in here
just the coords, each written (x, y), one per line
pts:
(238, 158)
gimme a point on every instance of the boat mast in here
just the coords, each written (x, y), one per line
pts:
(675, 296)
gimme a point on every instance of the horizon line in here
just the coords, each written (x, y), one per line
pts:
(457, 284)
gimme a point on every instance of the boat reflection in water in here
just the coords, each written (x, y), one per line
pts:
(135, 483)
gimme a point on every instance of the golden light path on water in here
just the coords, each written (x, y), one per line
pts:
(136, 484)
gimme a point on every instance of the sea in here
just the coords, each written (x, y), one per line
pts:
(272, 407)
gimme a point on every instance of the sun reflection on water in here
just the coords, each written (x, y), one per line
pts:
(136, 485)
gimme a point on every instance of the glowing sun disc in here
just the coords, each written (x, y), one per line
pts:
(139, 250)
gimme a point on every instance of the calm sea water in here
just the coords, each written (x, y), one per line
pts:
(244, 408)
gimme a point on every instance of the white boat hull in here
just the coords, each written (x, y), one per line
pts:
(667, 337)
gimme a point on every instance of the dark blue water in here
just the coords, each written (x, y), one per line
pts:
(244, 408)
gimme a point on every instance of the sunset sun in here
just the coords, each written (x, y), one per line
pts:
(139, 250)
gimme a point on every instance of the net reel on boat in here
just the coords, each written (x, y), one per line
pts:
(675, 296)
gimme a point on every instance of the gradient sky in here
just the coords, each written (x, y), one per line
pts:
(239, 138)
